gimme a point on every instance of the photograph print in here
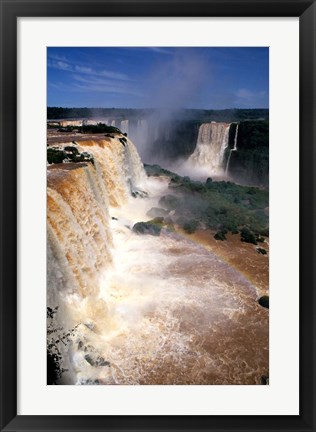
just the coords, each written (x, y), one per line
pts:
(157, 216)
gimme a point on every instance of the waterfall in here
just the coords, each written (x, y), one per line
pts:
(233, 149)
(211, 145)
(124, 126)
(142, 130)
(91, 122)
(139, 133)
(79, 238)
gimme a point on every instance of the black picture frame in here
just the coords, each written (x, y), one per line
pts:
(10, 11)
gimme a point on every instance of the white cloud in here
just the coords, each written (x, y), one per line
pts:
(114, 75)
(96, 84)
(66, 66)
(83, 69)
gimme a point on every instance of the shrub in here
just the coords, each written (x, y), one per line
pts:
(220, 235)
(190, 226)
(55, 156)
(246, 235)
(99, 128)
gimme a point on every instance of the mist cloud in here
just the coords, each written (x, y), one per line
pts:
(176, 81)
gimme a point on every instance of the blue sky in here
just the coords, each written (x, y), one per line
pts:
(208, 78)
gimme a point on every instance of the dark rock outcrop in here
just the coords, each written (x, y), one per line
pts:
(264, 380)
(139, 193)
(152, 227)
(96, 361)
(157, 212)
(123, 141)
(261, 251)
(57, 155)
(264, 301)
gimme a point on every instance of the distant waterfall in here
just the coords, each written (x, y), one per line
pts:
(124, 126)
(139, 133)
(211, 145)
(142, 129)
(233, 149)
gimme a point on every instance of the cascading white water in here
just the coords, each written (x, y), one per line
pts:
(91, 122)
(79, 238)
(124, 126)
(151, 310)
(233, 149)
(139, 133)
(210, 148)
(142, 130)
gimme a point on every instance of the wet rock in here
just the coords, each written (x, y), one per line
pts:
(71, 150)
(261, 251)
(264, 301)
(102, 362)
(152, 227)
(88, 382)
(139, 193)
(89, 359)
(96, 361)
(89, 324)
(123, 141)
(157, 212)
(80, 344)
(264, 380)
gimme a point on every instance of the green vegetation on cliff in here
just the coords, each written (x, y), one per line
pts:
(250, 163)
(218, 206)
